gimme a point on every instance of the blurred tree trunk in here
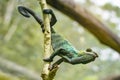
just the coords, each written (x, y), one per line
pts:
(16, 70)
(9, 12)
(113, 77)
(88, 21)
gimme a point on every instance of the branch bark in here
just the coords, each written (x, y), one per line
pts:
(88, 21)
(46, 73)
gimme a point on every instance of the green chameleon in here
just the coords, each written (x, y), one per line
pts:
(60, 46)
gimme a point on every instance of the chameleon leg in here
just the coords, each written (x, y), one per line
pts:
(82, 59)
(76, 60)
(50, 59)
(73, 61)
(66, 59)
(62, 53)
(58, 62)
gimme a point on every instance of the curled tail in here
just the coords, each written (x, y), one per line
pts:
(26, 13)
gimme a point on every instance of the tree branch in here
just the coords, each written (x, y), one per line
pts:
(47, 74)
(88, 21)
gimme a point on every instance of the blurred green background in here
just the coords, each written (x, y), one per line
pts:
(21, 42)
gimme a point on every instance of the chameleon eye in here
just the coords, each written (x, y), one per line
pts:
(89, 50)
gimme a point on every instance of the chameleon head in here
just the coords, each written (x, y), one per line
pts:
(90, 51)
(87, 56)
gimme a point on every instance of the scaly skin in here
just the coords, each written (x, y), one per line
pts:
(60, 46)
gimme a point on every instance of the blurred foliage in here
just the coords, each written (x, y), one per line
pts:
(4, 76)
(109, 7)
(21, 41)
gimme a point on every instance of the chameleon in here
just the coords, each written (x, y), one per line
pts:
(61, 47)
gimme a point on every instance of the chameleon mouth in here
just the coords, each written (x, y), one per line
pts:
(95, 54)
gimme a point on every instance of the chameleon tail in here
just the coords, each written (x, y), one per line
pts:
(53, 19)
(26, 13)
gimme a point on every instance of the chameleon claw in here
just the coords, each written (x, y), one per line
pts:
(96, 55)
(53, 67)
(47, 60)
(47, 11)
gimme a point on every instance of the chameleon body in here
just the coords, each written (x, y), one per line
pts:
(61, 46)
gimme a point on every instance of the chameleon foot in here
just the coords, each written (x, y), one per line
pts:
(52, 67)
(47, 60)
(47, 11)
